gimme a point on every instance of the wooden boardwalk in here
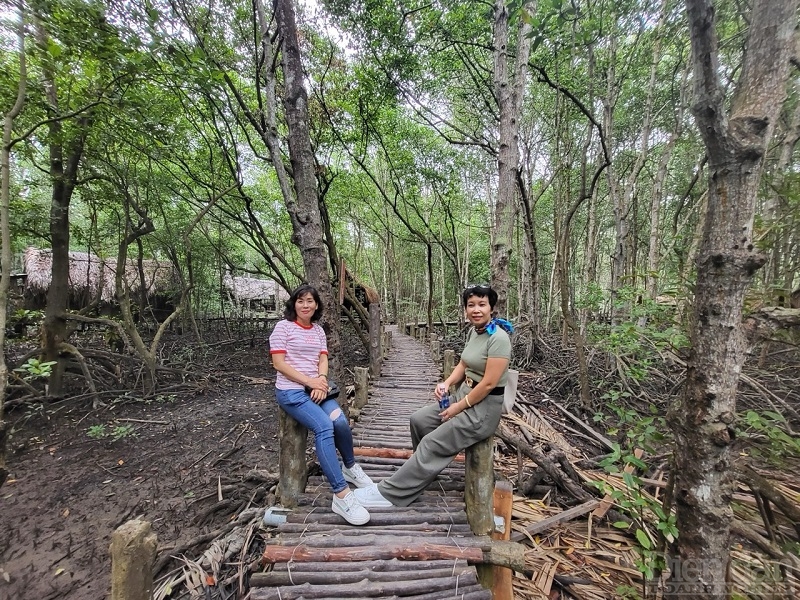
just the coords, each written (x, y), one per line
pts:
(420, 552)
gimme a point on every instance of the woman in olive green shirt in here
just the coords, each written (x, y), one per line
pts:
(473, 415)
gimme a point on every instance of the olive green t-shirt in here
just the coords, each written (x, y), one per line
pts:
(481, 346)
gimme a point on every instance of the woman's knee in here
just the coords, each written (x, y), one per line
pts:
(339, 421)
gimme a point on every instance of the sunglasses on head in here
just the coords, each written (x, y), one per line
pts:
(478, 286)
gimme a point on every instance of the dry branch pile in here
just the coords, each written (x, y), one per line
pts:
(553, 456)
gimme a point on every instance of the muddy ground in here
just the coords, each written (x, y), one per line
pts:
(77, 473)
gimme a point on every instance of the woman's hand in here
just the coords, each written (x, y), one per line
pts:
(319, 388)
(452, 410)
(318, 395)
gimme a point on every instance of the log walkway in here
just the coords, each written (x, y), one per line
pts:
(424, 552)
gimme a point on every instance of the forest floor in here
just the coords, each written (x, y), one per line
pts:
(78, 472)
(72, 483)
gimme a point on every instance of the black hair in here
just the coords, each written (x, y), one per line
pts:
(290, 314)
(481, 290)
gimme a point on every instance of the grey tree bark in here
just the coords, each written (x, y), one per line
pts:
(509, 95)
(303, 203)
(703, 418)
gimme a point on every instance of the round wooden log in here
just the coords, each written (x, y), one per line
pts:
(436, 589)
(375, 353)
(392, 565)
(391, 453)
(379, 540)
(416, 551)
(293, 472)
(276, 578)
(133, 553)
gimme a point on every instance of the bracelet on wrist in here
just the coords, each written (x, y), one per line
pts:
(466, 399)
(325, 375)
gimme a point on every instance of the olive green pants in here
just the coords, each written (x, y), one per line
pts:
(436, 444)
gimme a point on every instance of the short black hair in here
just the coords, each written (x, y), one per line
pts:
(290, 314)
(481, 290)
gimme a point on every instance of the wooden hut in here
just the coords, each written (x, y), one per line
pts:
(259, 295)
(92, 279)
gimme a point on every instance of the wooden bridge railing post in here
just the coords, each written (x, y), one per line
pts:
(387, 343)
(479, 486)
(133, 554)
(375, 330)
(293, 473)
(502, 577)
(449, 363)
(436, 349)
(362, 387)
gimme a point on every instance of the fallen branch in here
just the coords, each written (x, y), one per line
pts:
(760, 485)
(580, 422)
(563, 482)
(562, 517)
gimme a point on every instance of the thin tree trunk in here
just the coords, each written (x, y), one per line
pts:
(5, 229)
(509, 99)
(64, 163)
(303, 202)
(703, 419)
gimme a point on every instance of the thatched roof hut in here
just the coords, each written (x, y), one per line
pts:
(249, 291)
(92, 277)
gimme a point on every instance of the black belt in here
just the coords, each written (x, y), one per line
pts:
(495, 392)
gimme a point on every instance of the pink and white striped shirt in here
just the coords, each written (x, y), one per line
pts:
(302, 347)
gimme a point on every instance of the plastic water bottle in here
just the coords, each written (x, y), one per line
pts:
(444, 401)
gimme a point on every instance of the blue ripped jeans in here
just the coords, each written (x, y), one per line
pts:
(330, 433)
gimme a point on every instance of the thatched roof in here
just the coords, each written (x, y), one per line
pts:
(250, 288)
(92, 275)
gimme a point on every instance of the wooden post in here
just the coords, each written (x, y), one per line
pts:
(478, 492)
(479, 486)
(375, 355)
(293, 472)
(386, 344)
(449, 363)
(412, 330)
(133, 554)
(502, 584)
(435, 353)
(362, 387)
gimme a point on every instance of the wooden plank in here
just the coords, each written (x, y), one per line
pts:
(502, 577)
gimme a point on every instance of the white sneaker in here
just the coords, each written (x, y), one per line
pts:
(356, 476)
(349, 508)
(370, 497)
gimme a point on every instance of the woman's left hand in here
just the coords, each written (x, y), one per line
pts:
(450, 412)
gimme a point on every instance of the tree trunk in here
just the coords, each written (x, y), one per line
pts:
(703, 419)
(304, 208)
(64, 176)
(5, 230)
(509, 99)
